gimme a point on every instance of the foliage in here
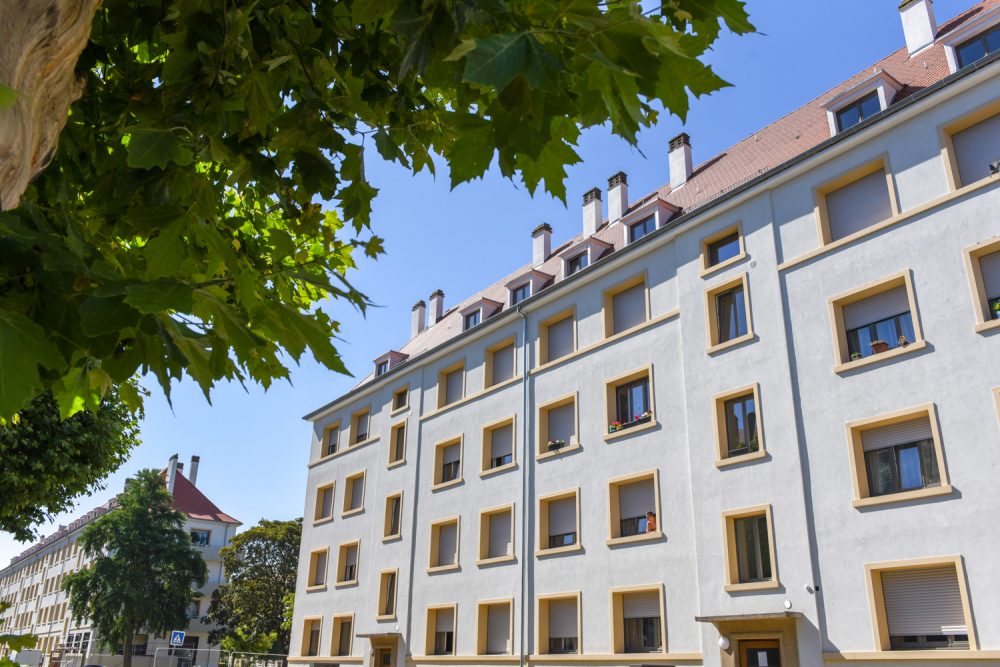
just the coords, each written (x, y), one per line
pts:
(14, 642)
(178, 228)
(46, 462)
(143, 568)
(261, 565)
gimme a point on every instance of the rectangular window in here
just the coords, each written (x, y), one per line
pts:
(400, 399)
(354, 493)
(557, 421)
(347, 565)
(857, 111)
(630, 402)
(498, 445)
(360, 423)
(444, 544)
(876, 319)
(975, 149)
(982, 263)
(557, 336)
(559, 523)
(730, 314)
(634, 506)
(317, 568)
(310, 636)
(387, 595)
(625, 306)
(494, 628)
(558, 625)
(741, 425)
(441, 630)
(331, 438)
(496, 536)
(472, 319)
(642, 228)
(499, 363)
(638, 620)
(978, 47)
(343, 633)
(397, 443)
(520, 293)
(381, 368)
(750, 557)
(393, 512)
(577, 263)
(724, 249)
(855, 201)
(200, 538)
(324, 503)
(451, 385)
(448, 462)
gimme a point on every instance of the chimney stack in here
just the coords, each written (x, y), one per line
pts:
(591, 212)
(193, 472)
(171, 473)
(541, 244)
(617, 196)
(419, 321)
(437, 306)
(919, 25)
(680, 160)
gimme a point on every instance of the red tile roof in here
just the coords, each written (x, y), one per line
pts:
(189, 500)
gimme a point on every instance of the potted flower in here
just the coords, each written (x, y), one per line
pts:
(614, 426)
(555, 445)
(644, 417)
(879, 346)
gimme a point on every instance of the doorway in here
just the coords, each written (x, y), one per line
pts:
(383, 657)
(760, 653)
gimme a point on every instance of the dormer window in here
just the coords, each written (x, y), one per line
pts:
(520, 293)
(577, 263)
(861, 101)
(381, 368)
(978, 47)
(390, 359)
(641, 228)
(472, 319)
(857, 111)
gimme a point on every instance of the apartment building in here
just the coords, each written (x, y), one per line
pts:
(749, 419)
(32, 583)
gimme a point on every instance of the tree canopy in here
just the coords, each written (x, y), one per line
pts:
(14, 643)
(143, 568)
(208, 195)
(261, 565)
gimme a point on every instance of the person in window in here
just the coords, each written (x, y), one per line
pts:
(903, 342)
(650, 522)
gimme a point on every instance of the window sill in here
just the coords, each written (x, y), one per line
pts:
(608, 437)
(742, 458)
(316, 588)
(437, 569)
(658, 657)
(396, 464)
(446, 485)
(903, 496)
(323, 521)
(753, 586)
(643, 537)
(346, 584)
(332, 660)
(721, 347)
(704, 273)
(470, 398)
(495, 561)
(465, 659)
(945, 655)
(397, 411)
(391, 538)
(552, 453)
(558, 551)
(352, 512)
(498, 469)
(983, 327)
(386, 617)
(345, 450)
(876, 358)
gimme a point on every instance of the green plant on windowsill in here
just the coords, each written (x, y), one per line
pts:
(996, 310)
(855, 356)
(556, 445)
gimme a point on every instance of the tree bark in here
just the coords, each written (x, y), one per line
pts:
(127, 649)
(42, 41)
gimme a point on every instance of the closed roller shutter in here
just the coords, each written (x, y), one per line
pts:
(885, 304)
(451, 454)
(357, 492)
(319, 577)
(989, 266)
(499, 535)
(501, 441)
(562, 423)
(923, 602)
(497, 629)
(351, 557)
(897, 434)
(645, 604)
(629, 308)
(562, 619)
(444, 620)
(447, 535)
(560, 339)
(453, 386)
(975, 148)
(858, 205)
(562, 516)
(327, 502)
(636, 499)
(503, 364)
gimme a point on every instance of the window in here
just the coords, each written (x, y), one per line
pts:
(634, 505)
(397, 443)
(557, 336)
(472, 319)
(381, 368)
(750, 557)
(444, 544)
(387, 595)
(354, 494)
(493, 624)
(324, 503)
(921, 604)
(310, 636)
(625, 306)
(393, 516)
(343, 634)
(730, 314)
(520, 293)
(642, 228)
(347, 563)
(856, 201)
(400, 399)
(496, 535)
(498, 445)
(982, 263)
(200, 538)
(331, 437)
(441, 630)
(978, 47)
(723, 250)
(876, 319)
(499, 363)
(897, 457)
(857, 111)
(558, 624)
(738, 426)
(448, 463)
(577, 263)
(360, 423)
(629, 403)
(317, 568)
(973, 145)
(194, 609)
(451, 384)
(637, 618)
(557, 422)
(559, 522)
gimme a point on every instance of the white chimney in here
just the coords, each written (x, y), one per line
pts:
(617, 196)
(541, 244)
(591, 212)
(419, 321)
(193, 472)
(171, 473)
(919, 26)
(437, 306)
(680, 160)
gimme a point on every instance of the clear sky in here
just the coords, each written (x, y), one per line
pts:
(254, 446)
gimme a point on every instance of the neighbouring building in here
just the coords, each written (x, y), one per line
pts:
(748, 419)
(32, 583)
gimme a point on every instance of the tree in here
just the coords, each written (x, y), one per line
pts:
(14, 643)
(261, 565)
(178, 227)
(143, 568)
(46, 462)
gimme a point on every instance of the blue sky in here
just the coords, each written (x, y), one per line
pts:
(254, 445)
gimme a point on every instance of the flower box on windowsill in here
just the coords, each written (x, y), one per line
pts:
(644, 418)
(556, 445)
(879, 346)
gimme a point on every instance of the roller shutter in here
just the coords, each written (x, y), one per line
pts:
(562, 423)
(497, 629)
(451, 454)
(447, 543)
(319, 577)
(902, 433)
(636, 498)
(885, 304)
(989, 266)
(975, 148)
(499, 527)
(858, 205)
(923, 602)
(453, 386)
(644, 604)
(562, 516)
(501, 441)
(562, 619)
(629, 308)
(444, 620)
(503, 364)
(357, 492)
(560, 339)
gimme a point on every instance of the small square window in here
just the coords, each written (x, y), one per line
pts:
(360, 424)
(637, 625)
(343, 633)
(729, 314)
(472, 319)
(498, 445)
(520, 293)
(441, 630)
(444, 545)
(331, 438)
(577, 263)
(496, 535)
(558, 624)
(447, 463)
(738, 426)
(857, 111)
(311, 636)
(557, 336)
(642, 228)
(500, 360)
(750, 557)
(982, 263)
(629, 402)
(381, 368)
(493, 623)
(626, 306)
(354, 493)
(559, 522)
(400, 399)
(557, 426)
(397, 443)
(347, 563)
(451, 384)
(317, 568)
(200, 538)
(324, 503)
(724, 249)
(634, 507)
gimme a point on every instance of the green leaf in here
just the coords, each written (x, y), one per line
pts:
(104, 315)
(161, 296)
(148, 148)
(24, 346)
(7, 97)
(496, 59)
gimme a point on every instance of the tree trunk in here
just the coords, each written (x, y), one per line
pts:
(42, 41)
(127, 651)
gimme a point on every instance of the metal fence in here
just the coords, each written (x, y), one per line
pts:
(208, 657)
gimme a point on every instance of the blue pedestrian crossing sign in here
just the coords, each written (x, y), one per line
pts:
(177, 638)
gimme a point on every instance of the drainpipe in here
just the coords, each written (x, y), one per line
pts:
(524, 481)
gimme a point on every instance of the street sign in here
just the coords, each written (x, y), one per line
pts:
(177, 638)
